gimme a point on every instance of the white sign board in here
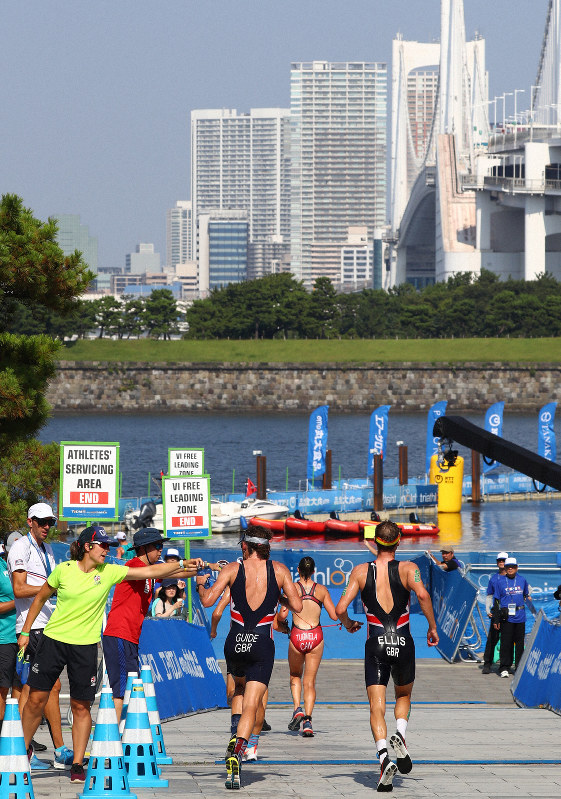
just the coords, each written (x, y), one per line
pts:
(186, 461)
(89, 479)
(186, 506)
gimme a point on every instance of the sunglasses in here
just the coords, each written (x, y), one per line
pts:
(158, 546)
(102, 544)
(45, 522)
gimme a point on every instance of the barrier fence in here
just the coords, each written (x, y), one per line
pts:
(537, 682)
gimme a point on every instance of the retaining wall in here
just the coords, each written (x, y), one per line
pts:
(137, 387)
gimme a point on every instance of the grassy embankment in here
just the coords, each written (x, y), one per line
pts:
(435, 351)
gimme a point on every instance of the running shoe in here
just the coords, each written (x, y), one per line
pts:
(307, 730)
(250, 753)
(64, 757)
(297, 716)
(233, 772)
(38, 765)
(230, 748)
(387, 773)
(403, 760)
(266, 726)
(504, 673)
(37, 747)
(486, 669)
(77, 773)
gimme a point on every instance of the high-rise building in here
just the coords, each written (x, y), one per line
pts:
(144, 259)
(242, 162)
(338, 151)
(222, 247)
(73, 236)
(178, 233)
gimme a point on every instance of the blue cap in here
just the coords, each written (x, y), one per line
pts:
(148, 535)
(96, 534)
(169, 582)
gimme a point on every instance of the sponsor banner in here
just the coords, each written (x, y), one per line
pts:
(89, 481)
(185, 462)
(187, 677)
(453, 599)
(503, 483)
(537, 682)
(317, 442)
(435, 411)
(356, 499)
(493, 424)
(546, 433)
(378, 437)
(186, 506)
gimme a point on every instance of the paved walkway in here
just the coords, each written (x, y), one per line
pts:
(466, 736)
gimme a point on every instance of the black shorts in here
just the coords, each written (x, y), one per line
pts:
(8, 656)
(81, 666)
(382, 659)
(249, 654)
(121, 656)
(30, 650)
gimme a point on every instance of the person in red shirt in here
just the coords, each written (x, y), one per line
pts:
(128, 610)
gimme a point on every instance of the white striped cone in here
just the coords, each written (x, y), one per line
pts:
(13, 756)
(131, 675)
(138, 747)
(107, 774)
(162, 757)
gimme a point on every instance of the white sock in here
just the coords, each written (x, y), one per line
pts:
(382, 749)
(402, 727)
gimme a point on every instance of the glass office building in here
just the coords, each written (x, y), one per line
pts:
(223, 246)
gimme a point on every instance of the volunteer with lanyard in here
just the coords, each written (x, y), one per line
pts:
(73, 632)
(509, 615)
(30, 562)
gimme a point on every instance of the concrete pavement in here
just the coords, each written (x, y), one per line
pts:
(466, 736)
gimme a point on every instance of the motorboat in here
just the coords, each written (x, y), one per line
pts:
(150, 514)
(225, 516)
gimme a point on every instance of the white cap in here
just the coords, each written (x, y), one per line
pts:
(121, 536)
(41, 511)
(171, 552)
(511, 562)
(12, 538)
(502, 555)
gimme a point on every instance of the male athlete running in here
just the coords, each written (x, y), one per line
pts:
(385, 587)
(255, 590)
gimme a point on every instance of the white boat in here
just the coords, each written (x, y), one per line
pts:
(225, 516)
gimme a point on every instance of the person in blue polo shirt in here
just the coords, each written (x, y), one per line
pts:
(509, 615)
(494, 633)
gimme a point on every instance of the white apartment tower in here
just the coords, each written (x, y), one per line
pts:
(242, 162)
(338, 149)
(178, 234)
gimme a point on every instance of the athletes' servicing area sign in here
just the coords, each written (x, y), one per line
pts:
(186, 461)
(89, 480)
(186, 506)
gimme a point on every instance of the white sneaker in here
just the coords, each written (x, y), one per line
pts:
(504, 673)
(250, 753)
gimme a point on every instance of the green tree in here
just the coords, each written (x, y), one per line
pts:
(161, 314)
(134, 316)
(33, 271)
(323, 315)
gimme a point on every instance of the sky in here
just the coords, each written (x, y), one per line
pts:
(95, 97)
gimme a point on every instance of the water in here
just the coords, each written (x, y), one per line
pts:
(230, 439)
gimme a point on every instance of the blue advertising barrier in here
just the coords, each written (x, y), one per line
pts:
(537, 682)
(453, 599)
(187, 677)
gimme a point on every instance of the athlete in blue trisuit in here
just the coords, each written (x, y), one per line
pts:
(385, 587)
(255, 590)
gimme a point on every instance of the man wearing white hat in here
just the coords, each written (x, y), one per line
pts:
(511, 591)
(494, 634)
(30, 561)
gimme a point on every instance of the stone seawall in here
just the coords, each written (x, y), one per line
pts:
(138, 387)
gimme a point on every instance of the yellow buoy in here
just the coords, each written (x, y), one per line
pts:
(449, 480)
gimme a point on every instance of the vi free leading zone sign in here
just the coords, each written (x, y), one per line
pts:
(187, 506)
(89, 480)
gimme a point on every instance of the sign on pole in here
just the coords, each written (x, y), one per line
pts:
(186, 506)
(89, 481)
(185, 461)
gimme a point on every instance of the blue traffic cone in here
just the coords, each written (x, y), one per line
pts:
(15, 777)
(138, 747)
(162, 758)
(107, 774)
(131, 675)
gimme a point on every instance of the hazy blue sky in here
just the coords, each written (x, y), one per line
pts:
(95, 97)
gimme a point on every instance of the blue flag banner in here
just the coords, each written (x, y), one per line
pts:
(378, 438)
(494, 424)
(436, 410)
(317, 442)
(546, 434)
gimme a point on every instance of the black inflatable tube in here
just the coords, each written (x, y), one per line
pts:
(498, 449)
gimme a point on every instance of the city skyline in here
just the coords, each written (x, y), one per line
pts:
(96, 113)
